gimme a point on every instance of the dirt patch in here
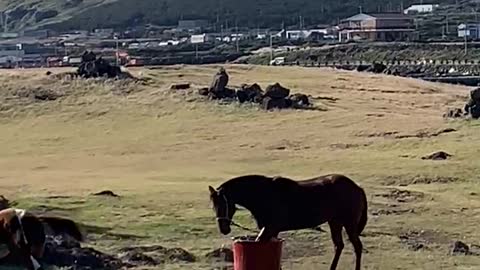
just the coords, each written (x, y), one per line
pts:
(220, 255)
(138, 259)
(344, 146)
(392, 209)
(423, 239)
(403, 196)
(38, 94)
(426, 134)
(304, 245)
(287, 145)
(376, 234)
(396, 135)
(403, 180)
(330, 99)
(155, 255)
(387, 134)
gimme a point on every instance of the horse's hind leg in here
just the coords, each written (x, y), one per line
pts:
(357, 246)
(336, 233)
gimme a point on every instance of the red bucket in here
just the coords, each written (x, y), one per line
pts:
(251, 255)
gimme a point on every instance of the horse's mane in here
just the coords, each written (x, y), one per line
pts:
(244, 181)
(283, 182)
(258, 182)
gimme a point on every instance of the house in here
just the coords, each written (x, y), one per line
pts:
(376, 27)
(43, 33)
(103, 32)
(195, 39)
(10, 55)
(469, 30)
(421, 8)
(9, 35)
(305, 34)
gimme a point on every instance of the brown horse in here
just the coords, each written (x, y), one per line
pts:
(280, 204)
(24, 236)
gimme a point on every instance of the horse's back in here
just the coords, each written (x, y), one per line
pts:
(335, 190)
(333, 180)
(331, 183)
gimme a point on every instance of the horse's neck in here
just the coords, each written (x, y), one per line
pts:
(257, 204)
(250, 203)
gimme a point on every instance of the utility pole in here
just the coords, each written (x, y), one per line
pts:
(446, 24)
(466, 45)
(271, 48)
(221, 33)
(466, 33)
(5, 26)
(116, 50)
(237, 36)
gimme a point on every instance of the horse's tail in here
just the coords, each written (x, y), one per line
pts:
(364, 216)
(63, 226)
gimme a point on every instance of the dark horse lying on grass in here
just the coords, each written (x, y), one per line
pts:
(23, 234)
(280, 204)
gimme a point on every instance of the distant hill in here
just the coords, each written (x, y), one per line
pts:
(90, 14)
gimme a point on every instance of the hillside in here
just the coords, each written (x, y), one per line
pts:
(88, 14)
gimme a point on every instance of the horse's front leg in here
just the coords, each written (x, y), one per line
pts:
(266, 234)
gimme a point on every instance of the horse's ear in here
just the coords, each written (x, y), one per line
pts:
(212, 190)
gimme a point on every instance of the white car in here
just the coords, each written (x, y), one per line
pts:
(277, 61)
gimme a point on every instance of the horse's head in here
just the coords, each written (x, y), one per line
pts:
(224, 209)
(12, 234)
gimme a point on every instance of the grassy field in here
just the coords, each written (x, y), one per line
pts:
(160, 149)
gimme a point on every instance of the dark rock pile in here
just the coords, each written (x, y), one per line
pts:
(93, 67)
(471, 108)
(250, 93)
(441, 155)
(274, 97)
(154, 255)
(460, 248)
(221, 254)
(64, 252)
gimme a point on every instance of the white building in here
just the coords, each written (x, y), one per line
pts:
(300, 34)
(469, 30)
(418, 9)
(195, 39)
(304, 34)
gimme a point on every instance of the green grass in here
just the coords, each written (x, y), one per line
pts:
(159, 150)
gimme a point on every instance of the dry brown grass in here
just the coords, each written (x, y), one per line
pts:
(160, 149)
